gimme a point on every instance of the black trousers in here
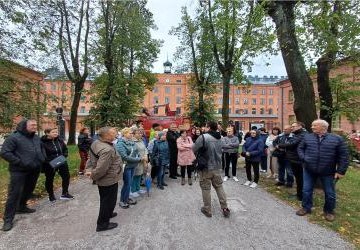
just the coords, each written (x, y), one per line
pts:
(173, 164)
(230, 158)
(223, 161)
(153, 169)
(255, 166)
(21, 186)
(50, 175)
(108, 195)
(189, 170)
(298, 174)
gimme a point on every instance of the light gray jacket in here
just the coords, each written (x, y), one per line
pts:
(230, 144)
(213, 150)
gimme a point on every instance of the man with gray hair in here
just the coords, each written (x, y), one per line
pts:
(325, 157)
(104, 167)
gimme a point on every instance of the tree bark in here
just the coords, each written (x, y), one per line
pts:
(282, 13)
(226, 92)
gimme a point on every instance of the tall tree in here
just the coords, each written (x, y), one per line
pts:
(196, 53)
(237, 34)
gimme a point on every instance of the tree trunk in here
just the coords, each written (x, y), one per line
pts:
(74, 111)
(324, 89)
(202, 118)
(226, 93)
(283, 16)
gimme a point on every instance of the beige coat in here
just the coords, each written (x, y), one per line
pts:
(106, 166)
(139, 170)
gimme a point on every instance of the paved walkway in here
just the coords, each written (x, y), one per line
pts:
(170, 219)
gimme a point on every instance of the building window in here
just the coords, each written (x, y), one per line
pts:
(156, 100)
(53, 86)
(263, 91)
(270, 111)
(262, 101)
(156, 110)
(291, 96)
(245, 112)
(220, 101)
(237, 91)
(246, 101)
(178, 90)
(254, 92)
(336, 121)
(83, 98)
(82, 109)
(219, 111)
(156, 89)
(178, 110)
(229, 100)
(178, 100)
(237, 101)
(178, 81)
(229, 111)
(167, 100)
(246, 91)
(167, 90)
(253, 111)
(271, 102)
(167, 80)
(253, 102)
(262, 111)
(237, 111)
(271, 91)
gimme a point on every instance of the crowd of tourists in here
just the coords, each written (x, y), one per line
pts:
(291, 157)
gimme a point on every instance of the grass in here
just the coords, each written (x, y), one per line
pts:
(73, 161)
(347, 222)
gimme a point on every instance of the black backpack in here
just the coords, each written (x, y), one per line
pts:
(200, 162)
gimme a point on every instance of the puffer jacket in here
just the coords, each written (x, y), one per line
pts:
(291, 145)
(230, 144)
(213, 145)
(325, 157)
(107, 166)
(128, 152)
(255, 146)
(161, 153)
(22, 150)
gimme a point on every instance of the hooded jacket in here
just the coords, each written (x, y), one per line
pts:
(213, 145)
(23, 150)
(53, 148)
(161, 153)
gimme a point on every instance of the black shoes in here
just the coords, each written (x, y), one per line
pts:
(111, 225)
(226, 212)
(160, 187)
(173, 177)
(25, 210)
(114, 214)
(164, 184)
(7, 226)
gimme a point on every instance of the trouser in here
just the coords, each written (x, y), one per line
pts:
(263, 162)
(108, 196)
(255, 166)
(223, 161)
(187, 169)
(127, 178)
(230, 158)
(50, 175)
(84, 156)
(135, 185)
(297, 170)
(153, 169)
(208, 178)
(173, 165)
(160, 175)
(328, 186)
(20, 188)
(273, 164)
(285, 169)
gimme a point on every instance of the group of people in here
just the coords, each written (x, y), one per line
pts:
(292, 154)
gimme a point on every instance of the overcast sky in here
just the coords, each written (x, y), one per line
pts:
(167, 13)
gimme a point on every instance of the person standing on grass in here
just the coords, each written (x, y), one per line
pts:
(272, 159)
(25, 154)
(185, 156)
(230, 149)
(105, 169)
(55, 147)
(84, 143)
(212, 174)
(325, 156)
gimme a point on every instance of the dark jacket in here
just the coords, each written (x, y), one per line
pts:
(213, 146)
(263, 138)
(53, 148)
(128, 152)
(84, 142)
(255, 146)
(171, 138)
(325, 157)
(161, 153)
(291, 145)
(22, 150)
(281, 139)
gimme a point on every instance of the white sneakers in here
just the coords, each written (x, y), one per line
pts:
(235, 179)
(135, 194)
(142, 191)
(247, 183)
(251, 184)
(226, 178)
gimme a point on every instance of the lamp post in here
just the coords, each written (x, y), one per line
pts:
(60, 122)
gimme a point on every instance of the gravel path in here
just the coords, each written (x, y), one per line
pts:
(170, 219)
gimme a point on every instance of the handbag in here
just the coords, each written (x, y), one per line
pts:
(58, 162)
(200, 162)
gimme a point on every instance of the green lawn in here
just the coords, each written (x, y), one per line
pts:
(73, 161)
(347, 222)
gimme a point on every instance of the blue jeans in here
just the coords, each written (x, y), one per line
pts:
(160, 175)
(285, 167)
(328, 187)
(125, 190)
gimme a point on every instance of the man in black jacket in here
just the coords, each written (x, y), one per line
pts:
(291, 145)
(23, 150)
(171, 137)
